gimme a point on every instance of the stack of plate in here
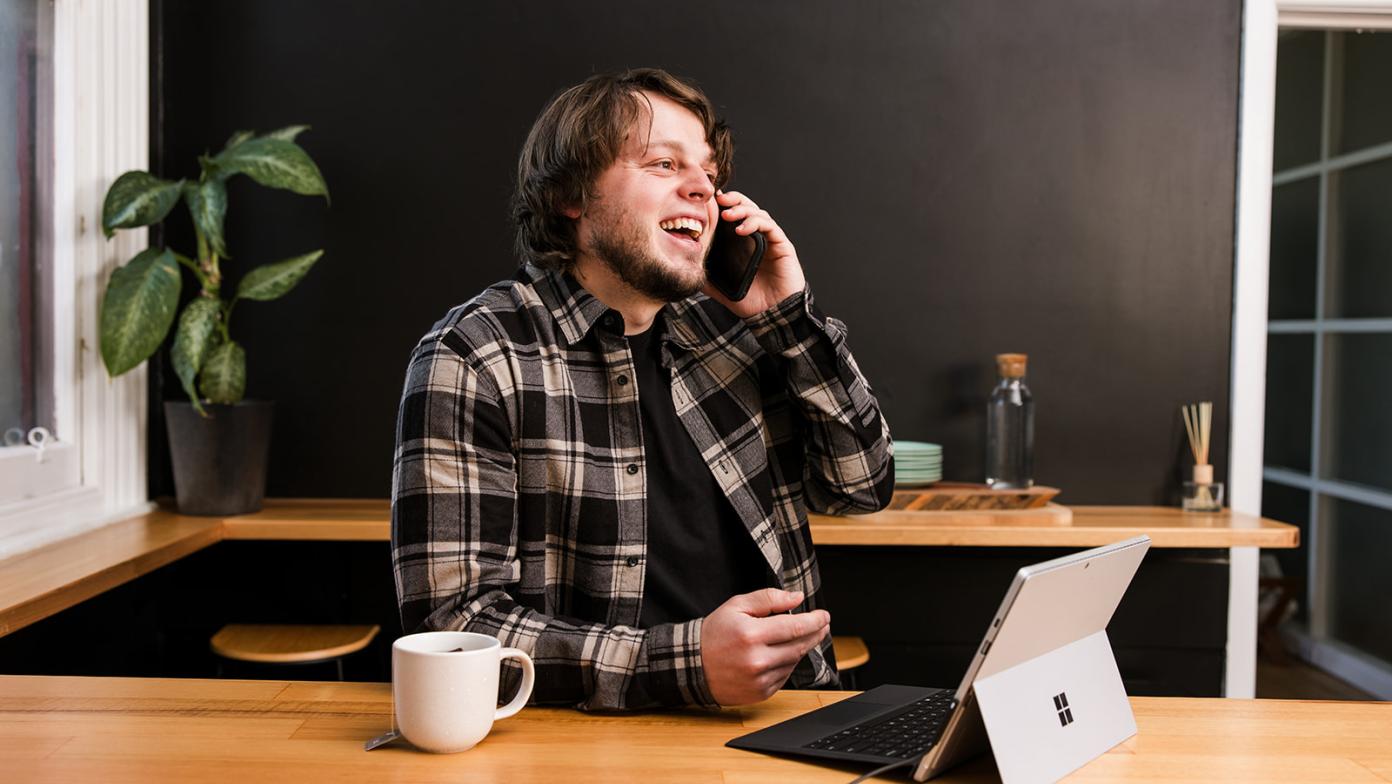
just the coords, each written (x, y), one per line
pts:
(917, 463)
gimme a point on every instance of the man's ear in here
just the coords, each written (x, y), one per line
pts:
(572, 211)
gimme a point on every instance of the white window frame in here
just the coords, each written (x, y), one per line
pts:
(1257, 120)
(95, 473)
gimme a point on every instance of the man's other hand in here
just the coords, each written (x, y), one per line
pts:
(749, 645)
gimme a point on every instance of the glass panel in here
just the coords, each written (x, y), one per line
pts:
(1358, 419)
(1291, 505)
(1290, 368)
(1299, 97)
(1294, 249)
(1360, 264)
(1367, 119)
(1360, 581)
(19, 53)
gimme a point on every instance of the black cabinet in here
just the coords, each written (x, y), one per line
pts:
(923, 610)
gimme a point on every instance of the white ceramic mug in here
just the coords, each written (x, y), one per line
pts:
(446, 699)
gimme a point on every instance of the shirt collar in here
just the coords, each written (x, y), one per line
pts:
(576, 310)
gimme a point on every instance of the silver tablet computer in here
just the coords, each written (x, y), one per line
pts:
(1043, 689)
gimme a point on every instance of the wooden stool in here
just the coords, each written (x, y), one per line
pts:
(850, 654)
(290, 643)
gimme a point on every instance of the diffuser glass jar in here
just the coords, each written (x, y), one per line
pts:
(1206, 497)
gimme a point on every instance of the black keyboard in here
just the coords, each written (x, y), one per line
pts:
(900, 735)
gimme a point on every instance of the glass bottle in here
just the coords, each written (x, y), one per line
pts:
(1010, 427)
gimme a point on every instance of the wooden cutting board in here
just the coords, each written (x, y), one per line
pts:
(967, 496)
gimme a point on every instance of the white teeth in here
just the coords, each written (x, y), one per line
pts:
(689, 224)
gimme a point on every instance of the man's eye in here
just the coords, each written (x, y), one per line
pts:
(666, 164)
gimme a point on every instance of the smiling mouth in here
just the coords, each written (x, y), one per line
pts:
(682, 227)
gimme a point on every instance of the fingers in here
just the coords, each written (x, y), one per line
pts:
(790, 628)
(783, 659)
(768, 601)
(751, 219)
(736, 207)
(729, 198)
(773, 680)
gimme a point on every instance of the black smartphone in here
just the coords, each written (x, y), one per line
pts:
(733, 259)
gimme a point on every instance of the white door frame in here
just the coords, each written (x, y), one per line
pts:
(1256, 123)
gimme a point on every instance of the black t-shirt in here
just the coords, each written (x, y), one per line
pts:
(699, 552)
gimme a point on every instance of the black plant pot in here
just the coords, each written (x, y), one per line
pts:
(219, 460)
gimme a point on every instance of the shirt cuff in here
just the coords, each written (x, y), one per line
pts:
(676, 676)
(789, 325)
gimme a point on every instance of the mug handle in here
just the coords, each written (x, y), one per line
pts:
(528, 678)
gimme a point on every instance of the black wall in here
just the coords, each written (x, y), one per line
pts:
(961, 178)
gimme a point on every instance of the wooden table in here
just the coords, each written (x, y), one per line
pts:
(36, 585)
(111, 730)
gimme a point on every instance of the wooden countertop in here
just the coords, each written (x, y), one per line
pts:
(1090, 526)
(37, 584)
(185, 730)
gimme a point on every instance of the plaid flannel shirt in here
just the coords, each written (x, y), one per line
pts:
(518, 492)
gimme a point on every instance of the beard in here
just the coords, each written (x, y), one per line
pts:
(620, 242)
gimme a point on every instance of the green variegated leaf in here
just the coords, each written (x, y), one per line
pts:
(207, 203)
(138, 198)
(138, 308)
(210, 169)
(275, 163)
(223, 377)
(271, 281)
(194, 339)
(288, 133)
(237, 138)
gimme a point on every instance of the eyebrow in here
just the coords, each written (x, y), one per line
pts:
(678, 147)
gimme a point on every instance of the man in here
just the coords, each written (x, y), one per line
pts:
(602, 466)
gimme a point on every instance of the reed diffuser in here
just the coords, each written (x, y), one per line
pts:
(1203, 494)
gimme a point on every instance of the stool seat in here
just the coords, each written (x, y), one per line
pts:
(290, 643)
(850, 652)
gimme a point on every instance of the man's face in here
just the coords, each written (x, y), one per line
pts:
(653, 211)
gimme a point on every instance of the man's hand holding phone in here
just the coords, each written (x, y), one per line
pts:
(780, 274)
(751, 643)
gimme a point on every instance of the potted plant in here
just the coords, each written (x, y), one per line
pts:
(219, 442)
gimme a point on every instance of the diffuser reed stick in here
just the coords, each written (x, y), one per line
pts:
(1198, 424)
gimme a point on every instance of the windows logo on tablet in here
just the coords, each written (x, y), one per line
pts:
(1065, 713)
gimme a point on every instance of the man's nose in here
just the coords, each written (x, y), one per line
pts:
(700, 187)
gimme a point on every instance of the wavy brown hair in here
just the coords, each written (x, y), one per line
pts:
(576, 137)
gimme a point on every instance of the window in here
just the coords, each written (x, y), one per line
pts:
(75, 83)
(19, 46)
(26, 351)
(1328, 443)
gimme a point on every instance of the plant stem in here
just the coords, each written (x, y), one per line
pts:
(211, 278)
(208, 264)
(226, 319)
(188, 262)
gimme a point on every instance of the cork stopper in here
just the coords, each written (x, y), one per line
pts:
(1011, 365)
(1203, 474)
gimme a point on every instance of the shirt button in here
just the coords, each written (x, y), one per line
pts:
(623, 381)
(632, 468)
(632, 560)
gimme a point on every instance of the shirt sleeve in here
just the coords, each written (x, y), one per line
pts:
(850, 456)
(455, 553)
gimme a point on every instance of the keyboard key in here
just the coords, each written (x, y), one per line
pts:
(900, 735)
